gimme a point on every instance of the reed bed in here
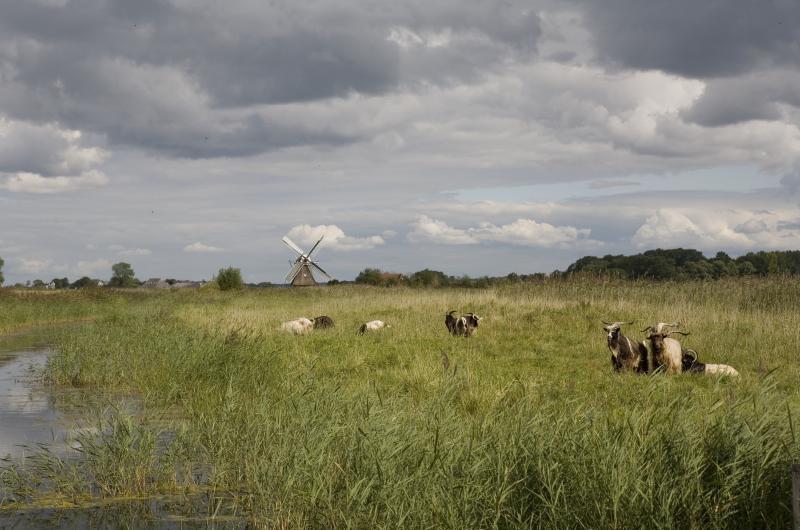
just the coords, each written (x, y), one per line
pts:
(523, 425)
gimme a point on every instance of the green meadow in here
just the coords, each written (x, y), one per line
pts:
(523, 425)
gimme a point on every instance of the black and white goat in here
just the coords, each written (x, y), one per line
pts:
(693, 366)
(627, 355)
(462, 326)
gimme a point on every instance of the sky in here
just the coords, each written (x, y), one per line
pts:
(481, 137)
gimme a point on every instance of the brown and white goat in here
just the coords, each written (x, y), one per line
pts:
(627, 355)
(667, 353)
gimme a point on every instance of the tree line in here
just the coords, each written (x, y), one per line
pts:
(688, 264)
(123, 276)
(660, 264)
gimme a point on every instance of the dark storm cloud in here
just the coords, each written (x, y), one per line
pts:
(696, 39)
(756, 96)
(188, 79)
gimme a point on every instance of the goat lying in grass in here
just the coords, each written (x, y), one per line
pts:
(693, 366)
(372, 325)
(668, 353)
(627, 355)
(323, 322)
(298, 326)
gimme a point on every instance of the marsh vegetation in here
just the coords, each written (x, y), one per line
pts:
(523, 425)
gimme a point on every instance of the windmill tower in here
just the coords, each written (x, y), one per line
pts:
(300, 273)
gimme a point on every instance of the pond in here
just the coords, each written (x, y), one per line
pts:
(35, 417)
(29, 416)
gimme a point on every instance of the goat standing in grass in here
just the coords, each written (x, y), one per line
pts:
(463, 326)
(627, 355)
(450, 321)
(667, 352)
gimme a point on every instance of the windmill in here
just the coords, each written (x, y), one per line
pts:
(300, 274)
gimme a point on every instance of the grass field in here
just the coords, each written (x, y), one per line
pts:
(526, 426)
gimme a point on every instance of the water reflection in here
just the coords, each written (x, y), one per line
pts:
(33, 416)
(27, 414)
(154, 513)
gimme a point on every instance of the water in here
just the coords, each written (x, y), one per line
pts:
(33, 416)
(28, 413)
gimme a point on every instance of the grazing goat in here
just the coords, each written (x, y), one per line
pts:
(467, 325)
(298, 326)
(693, 366)
(372, 325)
(450, 322)
(323, 322)
(627, 355)
(667, 352)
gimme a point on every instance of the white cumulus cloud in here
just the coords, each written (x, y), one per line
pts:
(522, 232)
(335, 238)
(201, 247)
(710, 229)
(427, 230)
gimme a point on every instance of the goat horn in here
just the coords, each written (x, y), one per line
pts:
(684, 333)
(648, 328)
(606, 323)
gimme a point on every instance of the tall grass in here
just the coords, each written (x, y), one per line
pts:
(524, 425)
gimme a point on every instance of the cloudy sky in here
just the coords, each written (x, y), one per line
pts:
(478, 137)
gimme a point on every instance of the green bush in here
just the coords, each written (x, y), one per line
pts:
(228, 279)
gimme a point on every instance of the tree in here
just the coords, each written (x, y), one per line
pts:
(229, 278)
(123, 275)
(60, 283)
(370, 276)
(428, 278)
(1, 271)
(84, 282)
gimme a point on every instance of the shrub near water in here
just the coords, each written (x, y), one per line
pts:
(524, 425)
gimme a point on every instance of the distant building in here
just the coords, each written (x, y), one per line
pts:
(158, 283)
(155, 283)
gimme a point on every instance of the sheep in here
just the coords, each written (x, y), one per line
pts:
(627, 355)
(467, 325)
(693, 366)
(666, 351)
(298, 326)
(372, 325)
(323, 322)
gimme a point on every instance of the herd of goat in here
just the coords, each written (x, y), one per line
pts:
(663, 354)
(659, 352)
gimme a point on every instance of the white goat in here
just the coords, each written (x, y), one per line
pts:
(372, 325)
(298, 326)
